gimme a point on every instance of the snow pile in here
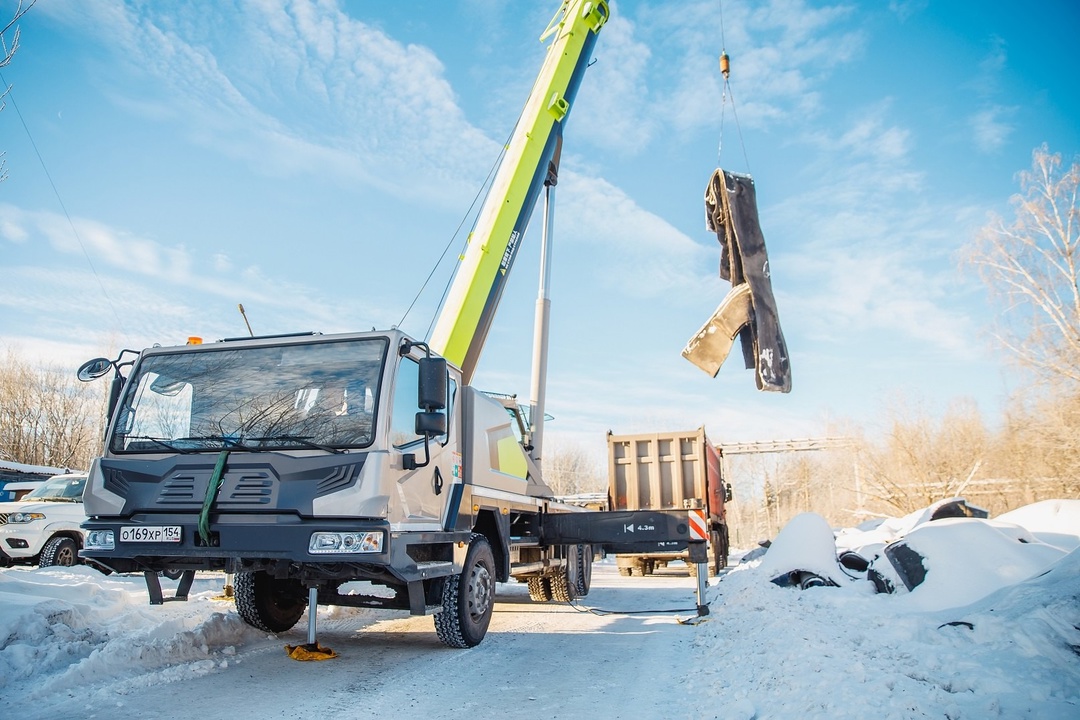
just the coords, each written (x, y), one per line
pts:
(63, 628)
(1055, 522)
(966, 559)
(993, 630)
(805, 545)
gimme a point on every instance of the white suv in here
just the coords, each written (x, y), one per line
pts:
(44, 527)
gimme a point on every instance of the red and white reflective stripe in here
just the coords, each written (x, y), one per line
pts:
(699, 530)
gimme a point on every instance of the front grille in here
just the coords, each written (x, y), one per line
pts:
(177, 490)
(252, 488)
(251, 483)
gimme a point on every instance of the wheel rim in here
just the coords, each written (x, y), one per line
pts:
(65, 556)
(479, 591)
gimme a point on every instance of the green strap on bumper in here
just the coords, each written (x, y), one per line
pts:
(211, 493)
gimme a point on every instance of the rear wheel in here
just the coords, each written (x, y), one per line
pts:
(539, 589)
(269, 603)
(561, 589)
(719, 541)
(59, 552)
(584, 579)
(564, 583)
(468, 598)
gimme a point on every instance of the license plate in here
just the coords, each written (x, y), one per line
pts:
(151, 533)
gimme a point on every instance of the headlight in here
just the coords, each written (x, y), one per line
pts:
(100, 540)
(25, 517)
(345, 542)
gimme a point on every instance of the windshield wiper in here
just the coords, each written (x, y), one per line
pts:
(226, 441)
(303, 440)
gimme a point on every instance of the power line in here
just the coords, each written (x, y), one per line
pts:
(60, 200)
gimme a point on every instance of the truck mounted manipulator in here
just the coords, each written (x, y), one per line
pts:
(304, 462)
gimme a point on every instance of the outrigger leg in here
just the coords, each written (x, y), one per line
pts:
(153, 587)
(312, 650)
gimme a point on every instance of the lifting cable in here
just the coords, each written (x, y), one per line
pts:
(601, 612)
(726, 94)
(480, 193)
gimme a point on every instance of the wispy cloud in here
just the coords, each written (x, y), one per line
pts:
(780, 50)
(616, 95)
(906, 9)
(144, 290)
(877, 256)
(635, 252)
(990, 129)
(342, 97)
(990, 124)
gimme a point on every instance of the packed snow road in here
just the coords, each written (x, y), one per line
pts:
(991, 631)
(548, 660)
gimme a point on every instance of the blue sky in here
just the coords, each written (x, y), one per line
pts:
(312, 161)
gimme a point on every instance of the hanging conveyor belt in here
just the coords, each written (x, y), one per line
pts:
(749, 309)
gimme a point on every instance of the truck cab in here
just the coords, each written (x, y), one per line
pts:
(327, 427)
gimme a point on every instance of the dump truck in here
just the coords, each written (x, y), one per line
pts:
(669, 471)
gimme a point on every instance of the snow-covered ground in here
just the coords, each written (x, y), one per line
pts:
(992, 631)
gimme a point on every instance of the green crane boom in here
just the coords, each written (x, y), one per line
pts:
(463, 323)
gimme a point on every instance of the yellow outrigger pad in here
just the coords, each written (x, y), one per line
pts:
(313, 651)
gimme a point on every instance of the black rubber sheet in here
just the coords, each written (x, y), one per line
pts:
(749, 310)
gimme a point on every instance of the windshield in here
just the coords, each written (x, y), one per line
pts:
(62, 488)
(317, 395)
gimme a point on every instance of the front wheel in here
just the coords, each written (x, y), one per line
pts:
(468, 598)
(59, 552)
(268, 603)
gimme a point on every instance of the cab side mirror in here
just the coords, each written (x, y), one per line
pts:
(430, 424)
(431, 397)
(93, 369)
(431, 389)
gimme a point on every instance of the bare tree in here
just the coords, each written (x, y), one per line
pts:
(47, 417)
(922, 461)
(1031, 266)
(568, 469)
(1038, 454)
(7, 52)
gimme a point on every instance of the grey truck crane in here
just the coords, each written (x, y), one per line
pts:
(303, 462)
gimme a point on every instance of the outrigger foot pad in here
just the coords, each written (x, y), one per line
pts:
(310, 651)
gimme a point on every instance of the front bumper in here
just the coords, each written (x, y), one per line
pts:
(277, 544)
(21, 543)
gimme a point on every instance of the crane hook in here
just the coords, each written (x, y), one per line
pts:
(725, 65)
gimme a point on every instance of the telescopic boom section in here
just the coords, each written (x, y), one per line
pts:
(463, 323)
